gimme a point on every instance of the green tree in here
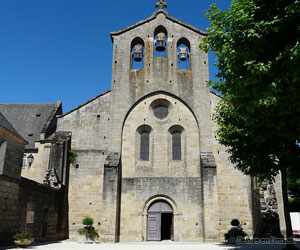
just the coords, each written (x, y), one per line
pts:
(257, 46)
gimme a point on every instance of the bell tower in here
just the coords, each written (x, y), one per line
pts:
(159, 53)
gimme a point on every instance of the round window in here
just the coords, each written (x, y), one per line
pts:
(161, 111)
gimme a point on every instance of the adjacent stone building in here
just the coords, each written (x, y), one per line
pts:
(36, 205)
(149, 166)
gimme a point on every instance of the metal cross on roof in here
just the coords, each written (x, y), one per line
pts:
(161, 4)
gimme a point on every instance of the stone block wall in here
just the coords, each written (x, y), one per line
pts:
(183, 194)
(9, 205)
(20, 196)
(14, 154)
(89, 126)
(235, 190)
(85, 190)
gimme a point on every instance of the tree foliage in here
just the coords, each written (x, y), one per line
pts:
(257, 46)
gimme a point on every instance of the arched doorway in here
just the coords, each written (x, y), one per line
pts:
(160, 225)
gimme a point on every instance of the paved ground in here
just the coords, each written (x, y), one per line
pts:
(66, 245)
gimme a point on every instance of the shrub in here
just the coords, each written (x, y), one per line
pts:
(235, 223)
(235, 231)
(88, 221)
(72, 156)
(89, 231)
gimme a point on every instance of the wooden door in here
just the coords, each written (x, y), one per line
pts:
(172, 228)
(154, 227)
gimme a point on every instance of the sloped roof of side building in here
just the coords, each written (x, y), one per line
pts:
(6, 124)
(30, 120)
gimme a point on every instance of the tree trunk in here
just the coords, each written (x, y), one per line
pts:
(288, 223)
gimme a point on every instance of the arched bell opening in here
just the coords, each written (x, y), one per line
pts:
(160, 41)
(160, 224)
(137, 53)
(183, 53)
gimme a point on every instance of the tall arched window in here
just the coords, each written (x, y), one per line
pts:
(183, 53)
(3, 146)
(176, 145)
(137, 53)
(144, 146)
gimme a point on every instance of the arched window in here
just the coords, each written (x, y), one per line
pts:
(3, 146)
(137, 53)
(160, 41)
(183, 53)
(144, 146)
(176, 145)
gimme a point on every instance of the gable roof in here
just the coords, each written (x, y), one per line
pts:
(154, 15)
(5, 124)
(85, 103)
(29, 119)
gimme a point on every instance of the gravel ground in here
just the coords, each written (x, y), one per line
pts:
(166, 245)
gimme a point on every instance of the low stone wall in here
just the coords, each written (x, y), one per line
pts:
(36, 207)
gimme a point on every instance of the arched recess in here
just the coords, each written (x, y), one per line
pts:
(142, 114)
(3, 147)
(183, 54)
(160, 208)
(137, 48)
(141, 172)
(160, 41)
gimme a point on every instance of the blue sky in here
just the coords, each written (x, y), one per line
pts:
(54, 50)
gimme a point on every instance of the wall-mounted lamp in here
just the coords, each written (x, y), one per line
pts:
(30, 159)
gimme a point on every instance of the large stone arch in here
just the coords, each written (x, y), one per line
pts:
(142, 114)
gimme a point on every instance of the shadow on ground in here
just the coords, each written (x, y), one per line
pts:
(32, 246)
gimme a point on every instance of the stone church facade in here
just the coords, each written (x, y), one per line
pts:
(149, 166)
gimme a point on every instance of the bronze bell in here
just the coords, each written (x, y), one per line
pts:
(138, 53)
(183, 54)
(160, 44)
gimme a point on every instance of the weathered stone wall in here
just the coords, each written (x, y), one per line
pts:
(89, 127)
(20, 196)
(184, 192)
(14, 154)
(234, 189)
(37, 170)
(159, 74)
(9, 213)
